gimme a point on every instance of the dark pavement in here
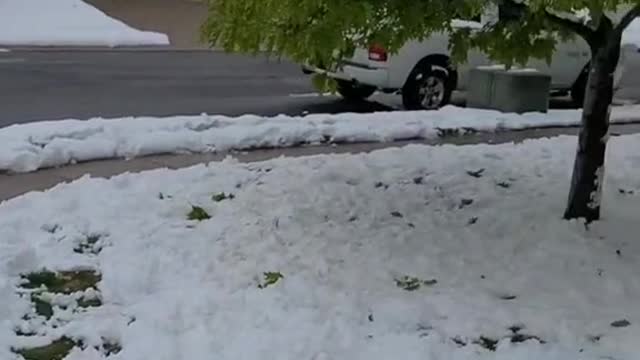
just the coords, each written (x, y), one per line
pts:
(57, 83)
(39, 85)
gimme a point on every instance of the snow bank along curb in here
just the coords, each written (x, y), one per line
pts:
(448, 252)
(66, 23)
(29, 147)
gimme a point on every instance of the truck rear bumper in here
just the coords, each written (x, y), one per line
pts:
(377, 77)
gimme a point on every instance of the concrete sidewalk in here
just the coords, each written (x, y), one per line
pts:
(12, 185)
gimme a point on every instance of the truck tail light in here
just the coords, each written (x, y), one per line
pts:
(378, 53)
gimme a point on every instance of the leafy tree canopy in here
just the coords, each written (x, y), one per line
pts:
(319, 31)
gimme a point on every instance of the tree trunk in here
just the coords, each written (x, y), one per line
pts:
(588, 171)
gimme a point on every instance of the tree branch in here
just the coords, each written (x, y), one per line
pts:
(583, 30)
(627, 19)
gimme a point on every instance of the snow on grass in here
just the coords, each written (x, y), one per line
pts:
(33, 146)
(419, 253)
(66, 23)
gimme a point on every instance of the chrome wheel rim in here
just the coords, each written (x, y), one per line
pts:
(431, 92)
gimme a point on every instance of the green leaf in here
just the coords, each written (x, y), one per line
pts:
(323, 83)
(198, 214)
(410, 283)
(222, 196)
(163, 196)
(57, 350)
(270, 278)
(431, 282)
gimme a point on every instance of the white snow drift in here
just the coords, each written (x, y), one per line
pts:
(66, 23)
(494, 254)
(44, 144)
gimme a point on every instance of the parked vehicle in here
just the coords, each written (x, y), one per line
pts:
(423, 73)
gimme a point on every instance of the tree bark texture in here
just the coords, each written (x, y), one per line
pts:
(588, 172)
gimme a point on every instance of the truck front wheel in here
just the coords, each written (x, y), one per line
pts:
(354, 92)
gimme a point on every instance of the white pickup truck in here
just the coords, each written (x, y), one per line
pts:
(423, 73)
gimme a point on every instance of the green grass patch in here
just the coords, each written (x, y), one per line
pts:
(57, 350)
(66, 282)
(42, 307)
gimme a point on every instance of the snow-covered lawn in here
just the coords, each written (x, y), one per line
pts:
(415, 253)
(66, 23)
(33, 146)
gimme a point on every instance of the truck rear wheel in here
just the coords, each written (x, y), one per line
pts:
(354, 92)
(428, 88)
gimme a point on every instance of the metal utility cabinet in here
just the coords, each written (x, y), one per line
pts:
(515, 90)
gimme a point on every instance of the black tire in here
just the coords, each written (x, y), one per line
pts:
(579, 88)
(354, 92)
(413, 92)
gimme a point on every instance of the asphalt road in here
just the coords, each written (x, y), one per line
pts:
(59, 84)
(52, 85)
